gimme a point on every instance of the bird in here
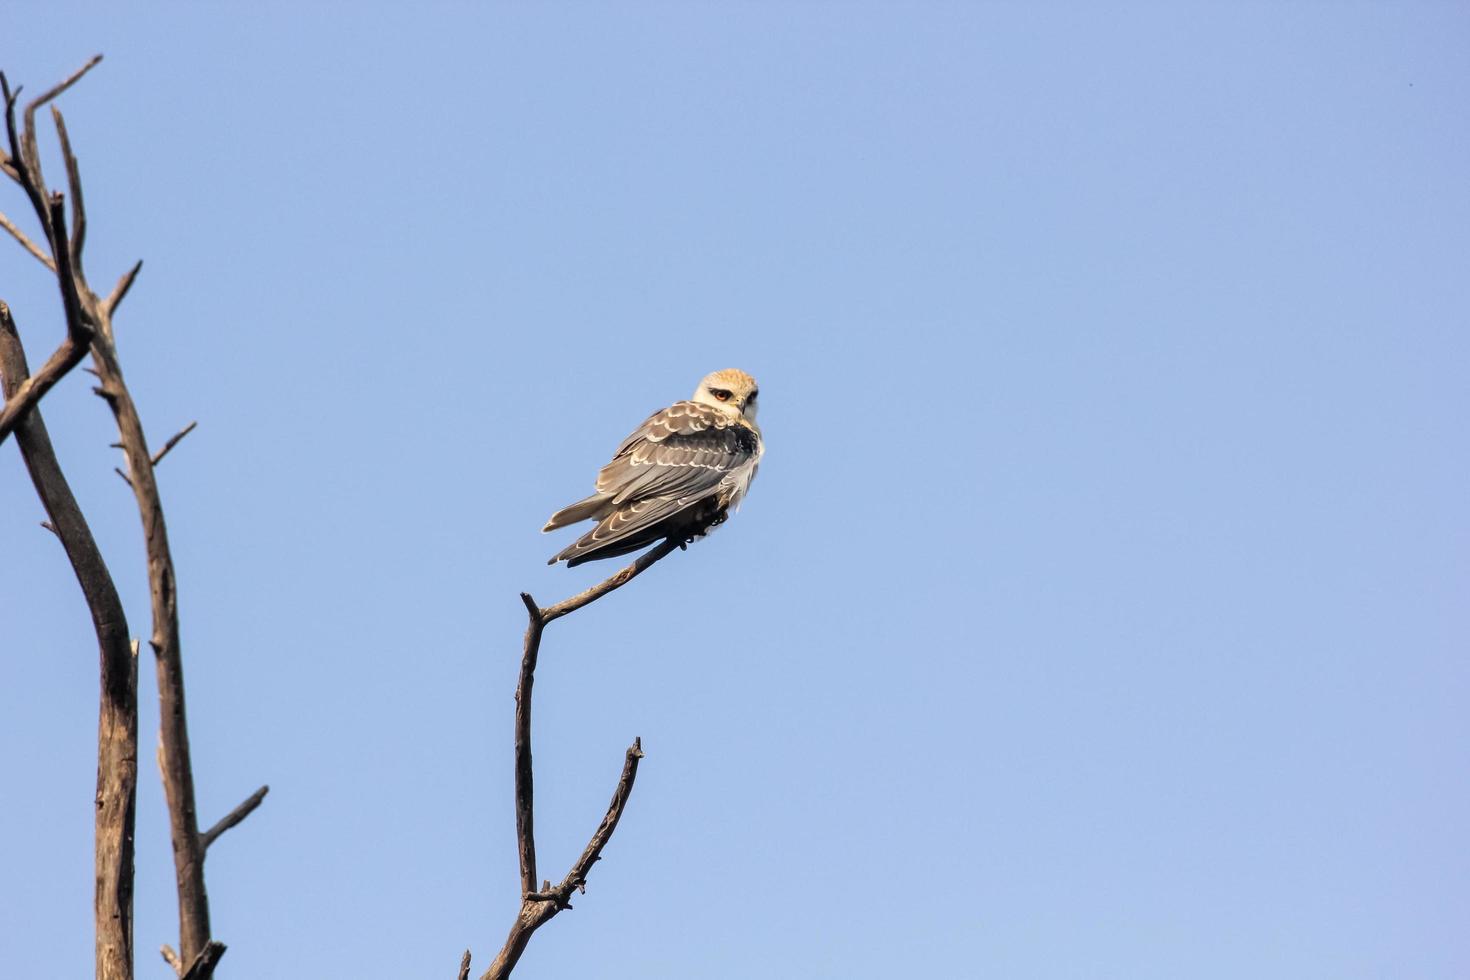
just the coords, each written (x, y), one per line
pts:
(678, 475)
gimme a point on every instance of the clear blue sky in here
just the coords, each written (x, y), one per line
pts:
(1100, 609)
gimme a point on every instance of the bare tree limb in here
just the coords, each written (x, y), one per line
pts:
(172, 959)
(124, 283)
(576, 878)
(234, 816)
(617, 581)
(178, 773)
(538, 907)
(26, 242)
(30, 153)
(66, 357)
(464, 966)
(74, 185)
(89, 324)
(524, 776)
(203, 965)
(60, 87)
(19, 168)
(117, 723)
(174, 441)
(78, 334)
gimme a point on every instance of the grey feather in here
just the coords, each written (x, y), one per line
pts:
(580, 511)
(674, 476)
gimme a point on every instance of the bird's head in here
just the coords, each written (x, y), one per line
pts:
(731, 391)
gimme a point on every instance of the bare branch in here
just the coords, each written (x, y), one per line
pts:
(74, 185)
(117, 726)
(26, 242)
(19, 166)
(14, 164)
(577, 877)
(234, 816)
(32, 158)
(538, 907)
(71, 351)
(174, 441)
(524, 776)
(66, 277)
(203, 966)
(464, 966)
(617, 581)
(124, 283)
(177, 767)
(83, 310)
(172, 959)
(32, 389)
(62, 85)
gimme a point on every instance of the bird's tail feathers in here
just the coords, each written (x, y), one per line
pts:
(580, 511)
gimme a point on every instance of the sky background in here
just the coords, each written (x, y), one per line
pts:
(1100, 608)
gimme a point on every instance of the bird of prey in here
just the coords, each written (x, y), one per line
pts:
(677, 476)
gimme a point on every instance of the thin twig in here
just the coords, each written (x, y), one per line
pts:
(63, 85)
(538, 907)
(524, 776)
(18, 168)
(576, 878)
(174, 441)
(42, 99)
(617, 581)
(124, 283)
(234, 816)
(172, 959)
(464, 966)
(125, 478)
(74, 185)
(71, 351)
(66, 275)
(26, 242)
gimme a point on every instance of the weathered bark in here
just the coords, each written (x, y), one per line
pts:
(539, 906)
(89, 327)
(117, 722)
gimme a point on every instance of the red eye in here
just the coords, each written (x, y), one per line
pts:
(720, 393)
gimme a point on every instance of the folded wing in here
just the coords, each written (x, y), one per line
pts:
(675, 475)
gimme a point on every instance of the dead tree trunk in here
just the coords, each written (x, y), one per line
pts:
(89, 328)
(117, 721)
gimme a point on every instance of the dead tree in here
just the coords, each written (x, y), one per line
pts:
(540, 905)
(90, 330)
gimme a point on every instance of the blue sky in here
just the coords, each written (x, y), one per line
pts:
(1099, 610)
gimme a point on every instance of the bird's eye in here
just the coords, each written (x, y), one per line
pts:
(753, 396)
(723, 394)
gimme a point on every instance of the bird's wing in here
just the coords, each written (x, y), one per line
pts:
(685, 452)
(628, 528)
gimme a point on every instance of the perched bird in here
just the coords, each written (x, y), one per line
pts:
(677, 476)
